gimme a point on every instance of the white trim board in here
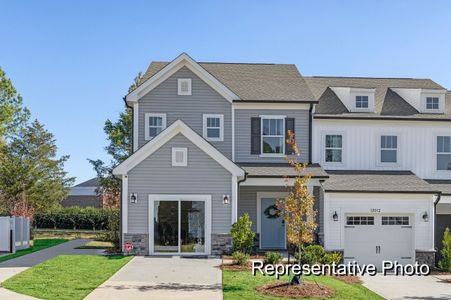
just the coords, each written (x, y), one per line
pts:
(183, 60)
(164, 137)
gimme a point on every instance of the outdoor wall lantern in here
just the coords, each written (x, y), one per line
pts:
(226, 199)
(133, 198)
(335, 216)
(425, 216)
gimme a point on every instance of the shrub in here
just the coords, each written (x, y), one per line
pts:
(272, 258)
(240, 258)
(445, 261)
(113, 228)
(242, 235)
(315, 254)
(333, 257)
(72, 218)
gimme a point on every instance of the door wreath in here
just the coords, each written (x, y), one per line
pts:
(272, 212)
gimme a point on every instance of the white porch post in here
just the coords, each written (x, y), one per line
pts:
(124, 207)
(234, 199)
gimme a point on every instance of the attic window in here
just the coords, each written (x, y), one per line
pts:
(361, 101)
(432, 103)
(184, 86)
(179, 157)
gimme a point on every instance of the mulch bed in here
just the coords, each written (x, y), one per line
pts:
(348, 278)
(307, 289)
(250, 257)
(234, 267)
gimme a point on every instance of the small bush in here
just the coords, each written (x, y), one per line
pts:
(242, 235)
(240, 258)
(333, 257)
(445, 262)
(315, 254)
(272, 258)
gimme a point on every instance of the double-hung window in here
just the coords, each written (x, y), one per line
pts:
(273, 135)
(443, 152)
(389, 148)
(361, 101)
(432, 103)
(334, 148)
(154, 124)
(213, 127)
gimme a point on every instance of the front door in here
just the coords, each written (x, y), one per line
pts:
(272, 231)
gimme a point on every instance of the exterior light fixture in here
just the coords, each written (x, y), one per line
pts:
(335, 216)
(226, 199)
(425, 216)
(133, 198)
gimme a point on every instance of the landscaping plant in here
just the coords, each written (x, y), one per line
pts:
(445, 262)
(315, 254)
(297, 208)
(242, 235)
(272, 258)
(240, 258)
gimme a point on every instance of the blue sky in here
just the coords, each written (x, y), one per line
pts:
(74, 60)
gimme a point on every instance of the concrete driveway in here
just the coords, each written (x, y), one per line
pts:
(164, 278)
(409, 287)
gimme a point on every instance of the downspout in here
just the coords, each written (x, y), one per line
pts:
(310, 133)
(439, 196)
(238, 186)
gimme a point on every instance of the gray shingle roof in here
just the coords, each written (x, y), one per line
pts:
(280, 170)
(254, 82)
(442, 185)
(388, 104)
(91, 182)
(377, 182)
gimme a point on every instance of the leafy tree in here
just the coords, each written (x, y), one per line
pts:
(445, 262)
(297, 208)
(242, 235)
(32, 177)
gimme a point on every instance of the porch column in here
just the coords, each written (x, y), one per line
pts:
(234, 199)
(124, 207)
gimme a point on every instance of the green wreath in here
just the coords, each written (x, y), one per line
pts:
(272, 212)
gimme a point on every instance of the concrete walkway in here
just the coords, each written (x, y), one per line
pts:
(164, 278)
(14, 266)
(409, 287)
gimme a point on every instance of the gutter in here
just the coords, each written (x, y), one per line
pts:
(310, 133)
(439, 196)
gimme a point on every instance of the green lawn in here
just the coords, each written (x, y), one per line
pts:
(66, 276)
(37, 245)
(96, 245)
(241, 285)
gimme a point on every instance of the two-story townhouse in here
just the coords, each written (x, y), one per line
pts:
(386, 145)
(209, 143)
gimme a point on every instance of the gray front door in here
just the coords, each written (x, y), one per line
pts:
(272, 235)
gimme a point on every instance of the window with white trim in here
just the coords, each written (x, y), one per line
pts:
(179, 157)
(432, 103)
(334, 148)
(395, 220)
(273, 135)
(389, 148)
(184, 86)
(213, 127)
(443, 152)
(154, 124)
(360, 220)
(361, 101)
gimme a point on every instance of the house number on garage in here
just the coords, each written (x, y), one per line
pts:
(375, 210)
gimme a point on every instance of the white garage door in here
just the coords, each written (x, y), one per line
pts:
(370, 239)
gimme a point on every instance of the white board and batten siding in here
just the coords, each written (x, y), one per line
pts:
(417, 145)
(367, 204)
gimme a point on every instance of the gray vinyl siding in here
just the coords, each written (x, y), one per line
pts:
(243, 133)
(156, 175)
(189, 109)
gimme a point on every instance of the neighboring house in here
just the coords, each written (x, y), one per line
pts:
(209, 145)
(84, 195)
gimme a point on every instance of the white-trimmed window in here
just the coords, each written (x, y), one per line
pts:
(184, 86)
(334, 148)
(361, 101)
(213, 127)
(389, 148)
(432, 103)
(179, 157)
(154, 124)
(444, 153)
(273, 135)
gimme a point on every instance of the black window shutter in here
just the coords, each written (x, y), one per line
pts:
(255, 135)
(289, 125)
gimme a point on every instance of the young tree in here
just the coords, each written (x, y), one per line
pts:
(445, 262)
(32, 178)
(297, 208)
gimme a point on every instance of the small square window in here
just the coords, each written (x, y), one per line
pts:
(432, 103)
(184, 86)
(213, 127)
(179, 157)
(154, 124)
(361, 101)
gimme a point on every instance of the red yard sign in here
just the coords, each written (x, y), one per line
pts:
(128, 247)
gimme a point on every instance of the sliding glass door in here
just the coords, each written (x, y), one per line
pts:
(179, 226)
